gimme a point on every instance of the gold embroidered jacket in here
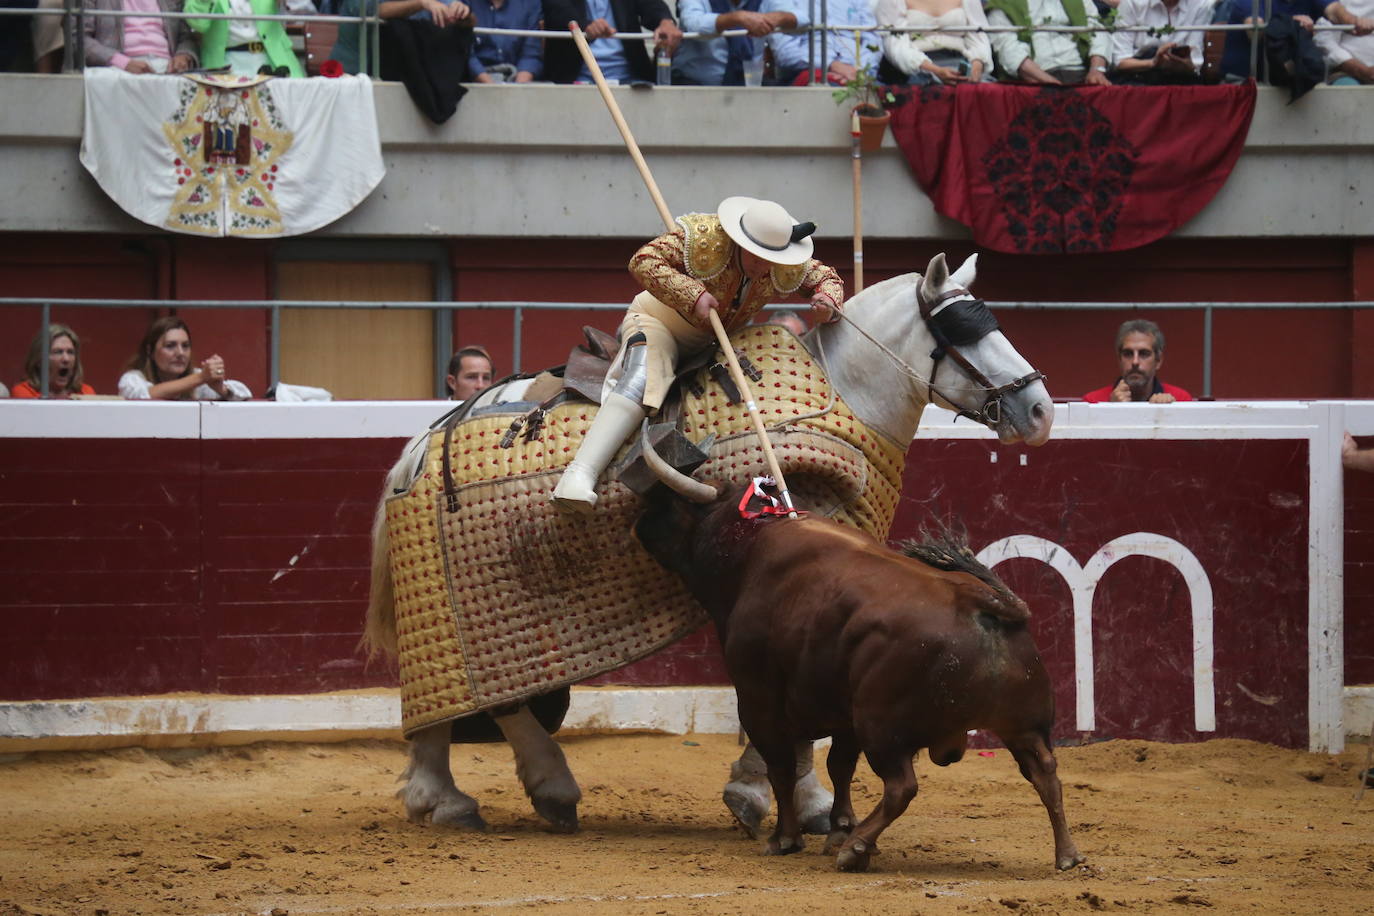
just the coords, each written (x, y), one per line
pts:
(677, 267)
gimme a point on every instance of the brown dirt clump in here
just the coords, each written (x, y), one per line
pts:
(1226, 826)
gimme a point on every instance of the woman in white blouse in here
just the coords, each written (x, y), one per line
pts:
(162, 369)
(930, 56)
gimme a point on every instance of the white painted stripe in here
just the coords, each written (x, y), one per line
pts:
(404, 419)
(671, 710)
(1326, 581)
(35, 419)
(328, 420)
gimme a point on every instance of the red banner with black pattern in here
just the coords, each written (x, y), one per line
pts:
(1071, 169)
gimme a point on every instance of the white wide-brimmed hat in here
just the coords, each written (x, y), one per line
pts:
(764, 228)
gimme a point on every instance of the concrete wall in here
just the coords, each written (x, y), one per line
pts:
(547, 161)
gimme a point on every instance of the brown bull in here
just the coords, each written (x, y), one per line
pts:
(828, 632)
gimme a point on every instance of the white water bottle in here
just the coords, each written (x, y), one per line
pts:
(663, 65)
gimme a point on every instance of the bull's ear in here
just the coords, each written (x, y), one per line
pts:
(967, 272)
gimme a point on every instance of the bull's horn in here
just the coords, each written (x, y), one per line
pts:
(678, 482)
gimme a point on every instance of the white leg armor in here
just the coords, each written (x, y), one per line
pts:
(621, 413)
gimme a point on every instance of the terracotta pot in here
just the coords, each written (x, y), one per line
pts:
(872, 126)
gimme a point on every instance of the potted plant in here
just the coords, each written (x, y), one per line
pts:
(866, 95)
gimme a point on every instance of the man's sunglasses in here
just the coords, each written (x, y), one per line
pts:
(279, 72)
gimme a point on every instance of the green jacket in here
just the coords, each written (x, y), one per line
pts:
(214, 34)
(1018, 11)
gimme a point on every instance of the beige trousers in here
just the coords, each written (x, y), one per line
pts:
(669, 336)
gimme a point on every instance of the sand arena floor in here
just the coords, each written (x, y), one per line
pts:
(1225, 826)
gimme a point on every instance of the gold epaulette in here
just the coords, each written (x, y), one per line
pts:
(787, 277)
(708, 248)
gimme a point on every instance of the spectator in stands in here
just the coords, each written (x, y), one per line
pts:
(64, 365)
(1235, 59)
(139, 44)
(507, 58)
(162, 369)
(844, 55)
(1349, 56)
(443, 15)
(786, 318)
(1139, 353)
(469, 371)
(47, 33)
(720, 61)
(1139, 57)
(1355, 458)
(246, 46)
(620, 61)
(927, 57)
(1048, 57)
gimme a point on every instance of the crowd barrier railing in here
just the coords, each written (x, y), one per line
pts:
(519, 308)
(75, 14)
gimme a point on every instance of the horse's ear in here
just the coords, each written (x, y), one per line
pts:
(937, 275)
(967, 272)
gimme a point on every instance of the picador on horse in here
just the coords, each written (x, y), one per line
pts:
(737, 260)
(505, 568)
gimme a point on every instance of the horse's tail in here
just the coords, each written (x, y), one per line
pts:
(379, 634)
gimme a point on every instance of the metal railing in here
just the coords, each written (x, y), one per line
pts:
(369, 23)
(518, 309)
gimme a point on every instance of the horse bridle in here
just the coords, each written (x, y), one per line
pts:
(966, 329)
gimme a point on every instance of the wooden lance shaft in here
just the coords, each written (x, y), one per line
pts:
(857, 155)
(721, 337)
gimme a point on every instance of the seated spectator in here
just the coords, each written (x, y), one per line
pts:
(162, 369)
(1139, 353)
(720, 61)
(247, 46)
(48, 38)
(139, 44)
(1235, 59)
(507, 58)
(792, 52)
(1139, 57)
(927, 57)
(64, 366)
(786, 318)
(437, 12)
(469, 371)
(1048, 57)
(1349, 56)
(620, 61)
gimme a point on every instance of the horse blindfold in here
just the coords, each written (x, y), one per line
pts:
(963, 323)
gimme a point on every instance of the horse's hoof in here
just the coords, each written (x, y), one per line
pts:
(458, 817)
(814, 804)
(561, 816)
(744, 805)
(854, 857)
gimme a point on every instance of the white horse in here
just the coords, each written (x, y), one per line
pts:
(906, 342)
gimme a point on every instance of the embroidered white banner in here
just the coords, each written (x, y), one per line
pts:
(232, 156)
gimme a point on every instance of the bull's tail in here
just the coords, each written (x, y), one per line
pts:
(379, 634)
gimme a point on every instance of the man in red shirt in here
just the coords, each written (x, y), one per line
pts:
(1139, 353)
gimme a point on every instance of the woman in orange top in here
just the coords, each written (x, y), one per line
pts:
(64, 366)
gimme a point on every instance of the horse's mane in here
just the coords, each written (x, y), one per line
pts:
(947, 549)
